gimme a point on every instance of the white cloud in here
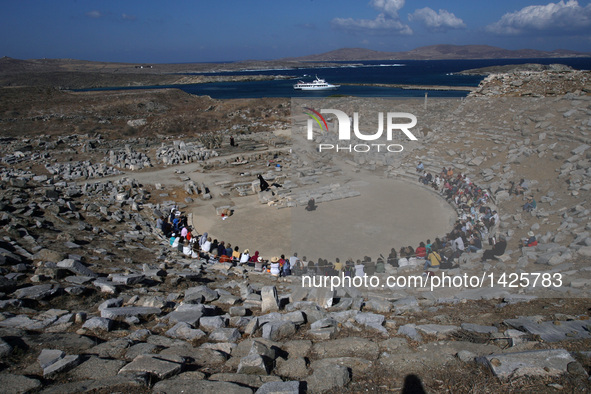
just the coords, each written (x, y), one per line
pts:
(386, 21)
(128, 17)
(381, 22)
(560, 17)
(388, 7)
(441, 21)
(94, 14)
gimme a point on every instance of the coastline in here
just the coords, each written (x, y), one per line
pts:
(416, 87)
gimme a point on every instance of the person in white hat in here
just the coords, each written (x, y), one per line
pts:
(531, 241)
(245, 256)
(275, 266)
(258, 264)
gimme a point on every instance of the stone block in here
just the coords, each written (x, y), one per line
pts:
(129, 311)
(155, 364)
(225, 335)
(277, 330)
(77, 267)
(552, 362)
(62, 365)
(270, 302)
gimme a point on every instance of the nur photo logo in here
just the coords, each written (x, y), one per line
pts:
(344, 122)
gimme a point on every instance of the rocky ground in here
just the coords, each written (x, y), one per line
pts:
(94, 300)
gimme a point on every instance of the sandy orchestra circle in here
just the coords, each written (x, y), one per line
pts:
(388, 214)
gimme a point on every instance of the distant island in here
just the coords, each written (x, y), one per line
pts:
(439, 52)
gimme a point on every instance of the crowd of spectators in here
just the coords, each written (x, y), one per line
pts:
(477, 225)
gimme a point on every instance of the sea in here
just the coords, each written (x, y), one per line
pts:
(360, 73)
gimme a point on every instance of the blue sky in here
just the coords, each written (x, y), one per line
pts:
(225, 30)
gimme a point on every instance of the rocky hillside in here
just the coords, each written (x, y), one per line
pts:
(130, 113)
(94, 299)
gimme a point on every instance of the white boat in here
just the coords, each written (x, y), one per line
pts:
(317, 84)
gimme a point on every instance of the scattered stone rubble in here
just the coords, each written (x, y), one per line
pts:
(182, 152)
(129, 159)
(81, 170)
(93, 293)
(535, 83)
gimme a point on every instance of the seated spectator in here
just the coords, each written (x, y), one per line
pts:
(212, 259)
(172, 238)
(512, 188)
(194, 250)
(433, 260)
(522, 187)
(282, 262)
(312, 268)
(475, 244)
(236, 254)
(402, 252)
(206, 246)
(380, 266)
(403, 262)
(421, 251)
(420, 167)
(187, 250)
(437, 245)
(531, 241)
(319, 267)
(422, 177)
(359, 269)
(327, 267)
(393, 258)
(530, 205)
(203, 239)
(255, 257)
(264, 185)
(304, 263)
(228, 252)
(458, 244)
(275, 266)
(221, 249)
(349, 267)
(258, 264)
(176, 223)
(286, 269)
(245, 256)
(176, 242)
(293, 261)
(338, 266)
(370, 267)
(497, 250)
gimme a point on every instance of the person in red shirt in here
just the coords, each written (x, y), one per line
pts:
(421, 251)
